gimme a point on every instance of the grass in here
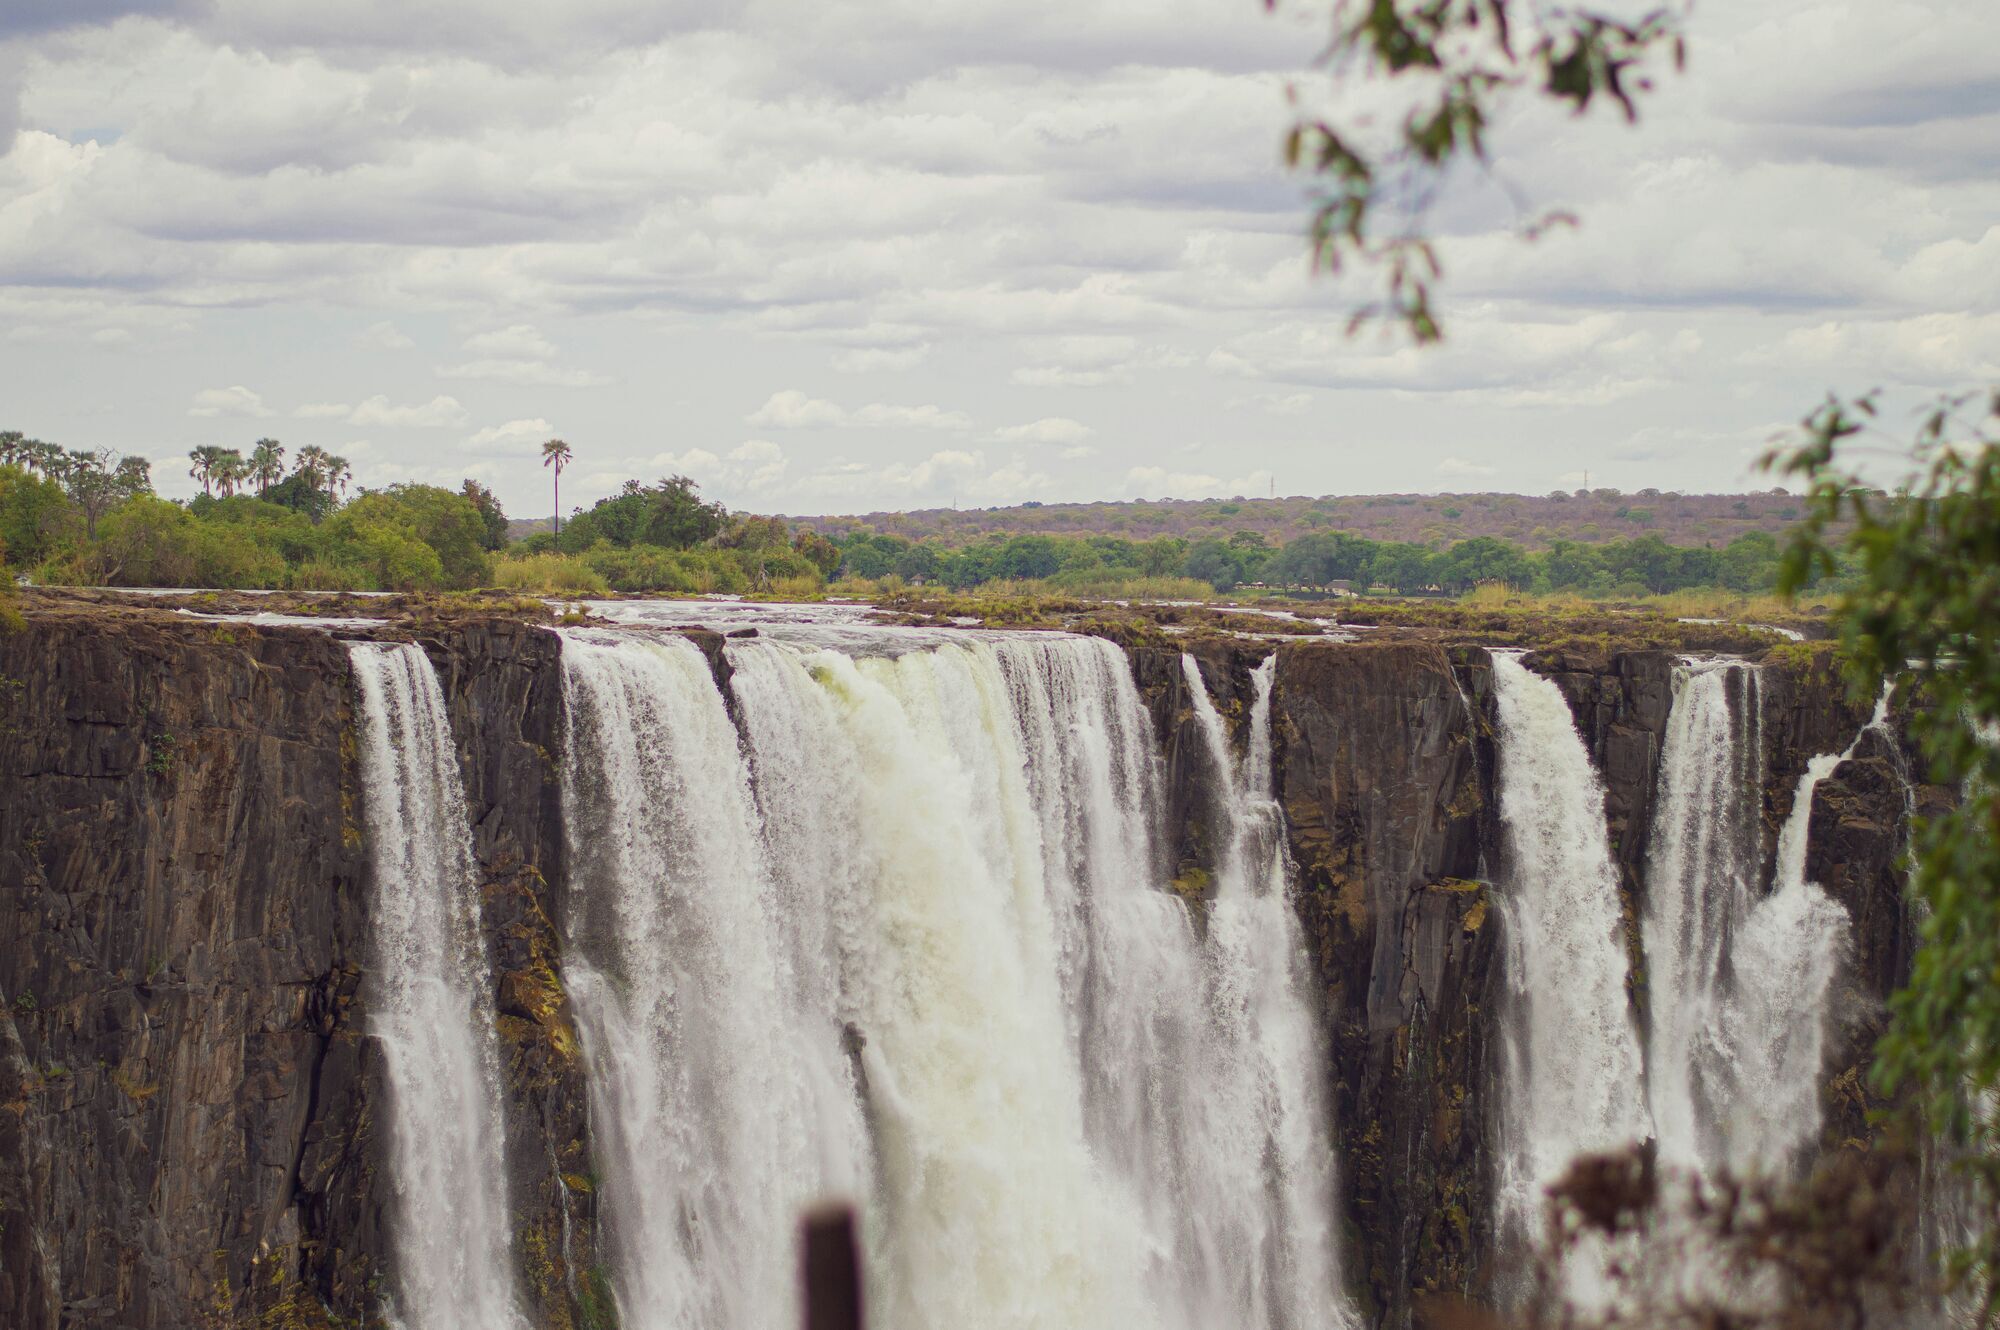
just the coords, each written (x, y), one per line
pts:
(549, 575)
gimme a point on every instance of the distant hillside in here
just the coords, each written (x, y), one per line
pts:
(520, 528)
(1530, 521)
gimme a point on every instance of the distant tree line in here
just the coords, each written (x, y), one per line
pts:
(71, 517)
(267, 517)
(1642, 565)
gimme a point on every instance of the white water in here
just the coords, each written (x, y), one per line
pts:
(1571, 1081)
(704, 1062)
(949, 983)
(1703, 870)
(1261, 987)
(1788, 956)
(430, 1001)
(1740, 980)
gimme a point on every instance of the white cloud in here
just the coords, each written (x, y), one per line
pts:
(522, 437)
(438, 413)
(792, 409)
(523, 371)
(233, 401)
(1049, 429)
(1155, 482)
(755, 467)
(518, 341)
(881, 415)
(322, 411)
(386, 336)
(1459, 468)
(867, 359)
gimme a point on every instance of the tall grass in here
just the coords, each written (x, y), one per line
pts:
(549, 575)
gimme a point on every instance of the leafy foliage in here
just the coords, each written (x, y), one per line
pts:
(1462, 62)
(1922, 613)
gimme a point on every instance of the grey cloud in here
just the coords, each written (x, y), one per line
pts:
(28, 18)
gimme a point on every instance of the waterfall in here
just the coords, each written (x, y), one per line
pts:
(1740, 980)
(1705, 861)
(430, 1001)
(901, 933)
(1571, 1079)
(1262, 996)
(1786, 962)
(702, 1061)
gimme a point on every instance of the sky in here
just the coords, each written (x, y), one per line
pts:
(844, 255)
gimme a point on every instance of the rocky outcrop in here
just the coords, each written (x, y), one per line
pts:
(181, 923)
(1386, 763)
(188, 1119)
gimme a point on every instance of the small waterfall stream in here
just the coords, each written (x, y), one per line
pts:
(1740, 978)
(1705, 863)
(1572, 1080)
(1262, 986)
(430, 997)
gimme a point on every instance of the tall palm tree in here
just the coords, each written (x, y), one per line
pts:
(230, 471)
(310, 465)
(267, 464)
(338, 473)
(13, 447)
(206, 459)
(556, 453)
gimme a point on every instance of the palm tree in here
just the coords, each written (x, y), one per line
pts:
(338, 473)
(230, 471)
(556, 453)
(206, 459)
(267, 464)
(310, 465)
(13, 447)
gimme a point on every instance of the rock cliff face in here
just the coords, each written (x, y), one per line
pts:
(189, 1099)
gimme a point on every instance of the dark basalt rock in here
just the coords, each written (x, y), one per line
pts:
(1385, 767)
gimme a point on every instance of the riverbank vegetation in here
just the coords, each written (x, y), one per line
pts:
(267, 519)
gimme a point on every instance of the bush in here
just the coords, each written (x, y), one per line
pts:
(549, 574)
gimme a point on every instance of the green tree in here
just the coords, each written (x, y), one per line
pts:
(1214, 562)
(34, 515)
(446, 524)
(96, 480)
(267, 464)
(556, 454)
(207, 459)
(1922, 614)
(490, 513)
(1484, 559)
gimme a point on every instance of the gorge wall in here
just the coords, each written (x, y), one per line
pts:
(191, 1115)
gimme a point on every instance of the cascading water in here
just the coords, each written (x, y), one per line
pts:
(1787, 958)
(706, 1067)
(1739, 980)
(1705, 862)
(950, 982)
(1261, 986)
(429, 999)
(1572, 1069)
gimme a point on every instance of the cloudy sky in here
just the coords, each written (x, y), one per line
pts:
(834, 255)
